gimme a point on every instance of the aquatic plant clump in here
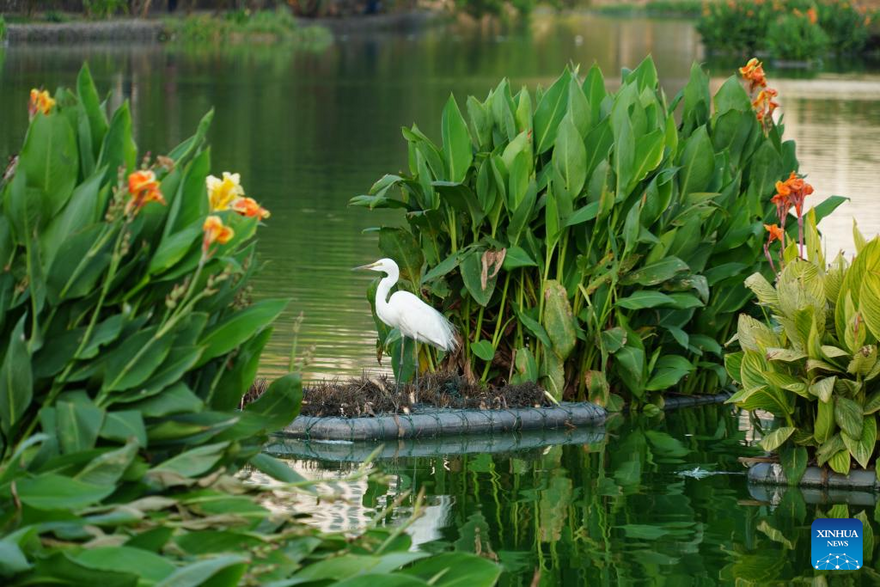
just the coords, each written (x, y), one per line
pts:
(592, 241)
(127, 339)
(796, 30)
(814, 364)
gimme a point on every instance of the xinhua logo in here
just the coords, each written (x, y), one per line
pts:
(836, 544)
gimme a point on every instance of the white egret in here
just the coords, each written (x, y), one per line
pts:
(411, 316)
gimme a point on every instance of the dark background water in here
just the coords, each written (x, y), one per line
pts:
(309, 129)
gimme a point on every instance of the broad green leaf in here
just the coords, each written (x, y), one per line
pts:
(642, 299)
(550, 111)
(457, 148)
(777, 438)
(224, 570)
(656, 273)
(79, 423)
(147, 565)
(88, 97)
(794, 463)
(16, 379)
(123, 426)
(192, 463)
(848, 415)
(236, 329)
(669, 370)
(483, 349)
(697, 163)
(138, 357)
(118, 149)
(107, 468)
(280, 403)
(558, 319)
(50, 491)
(276, 468)
(456, 569)
(50, 161)
(861, 447)
(569, 157)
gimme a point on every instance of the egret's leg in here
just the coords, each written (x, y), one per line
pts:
(400, 365)
(416, 345)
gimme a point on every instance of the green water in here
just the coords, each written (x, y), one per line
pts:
(653, 502)
(308, 130)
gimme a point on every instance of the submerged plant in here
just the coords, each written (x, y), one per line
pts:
(814, 365)
(592, 240)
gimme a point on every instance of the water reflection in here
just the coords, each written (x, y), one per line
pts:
(309, 129)
(626, 510)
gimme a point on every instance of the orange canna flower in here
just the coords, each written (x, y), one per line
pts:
(249, 207)
(215, 232)
(143, 188)
(40, 101)
(813, 15)
(753, 72)
(764, 104)
(775, 233)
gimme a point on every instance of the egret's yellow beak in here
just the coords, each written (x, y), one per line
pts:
(364, 267)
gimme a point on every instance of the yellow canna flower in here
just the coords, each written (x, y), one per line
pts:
(40, 101)
(250, 208)
(215, 232)
(222, 192)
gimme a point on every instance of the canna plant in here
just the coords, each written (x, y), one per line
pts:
(814, 364)
(591, 240)
(127, 339)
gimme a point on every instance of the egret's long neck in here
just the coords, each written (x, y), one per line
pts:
(382, 307)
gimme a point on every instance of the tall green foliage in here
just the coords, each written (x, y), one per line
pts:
(126, 343)
(594, 240)
(815, 365)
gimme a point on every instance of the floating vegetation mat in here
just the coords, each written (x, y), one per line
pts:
(381, 396)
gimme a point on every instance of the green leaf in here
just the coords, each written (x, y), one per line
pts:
(483, 349)
(516, 257)
(848, 415)
(16, 379)
(135, 359)
(280, 403)
(569, 157)
(550, 111)
(88, 97)
(118, 149)
(177, 399)
(775, 439)
(275, 468)
(558, 319)
(225, 570)
(670, 369)
(173, 248)
(642, 299)
(50, 161)
(585, 214)
(147, 565)
(656, 273)
(50, 491)
(78, 425)
(823, 388)
(862, 446)
(107, 468)
(457, 148)
(794, 463)
(471, 274)
(192, 463)
(12, 559)
(400, 245)
(456, 569)
(123, 426)
(697, 163)
(236, 329)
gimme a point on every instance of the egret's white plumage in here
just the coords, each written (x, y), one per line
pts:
(414, 318)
